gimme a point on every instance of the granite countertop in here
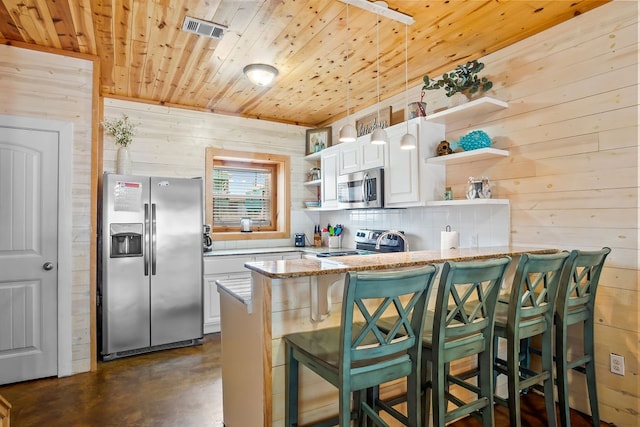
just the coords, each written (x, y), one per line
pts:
(320, 266)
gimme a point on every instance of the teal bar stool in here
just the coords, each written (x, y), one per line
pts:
(462, 326)
(527, 312)
(574, 305)
(359, 355)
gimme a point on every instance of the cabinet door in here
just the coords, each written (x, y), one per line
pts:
(216, 268)
(402, 174)
(350, 157)
(329, 187)
(372, 156)
(212, 303)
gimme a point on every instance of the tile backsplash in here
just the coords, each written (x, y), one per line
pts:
(479, 225)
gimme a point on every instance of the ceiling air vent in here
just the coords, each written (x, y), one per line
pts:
(203, 28)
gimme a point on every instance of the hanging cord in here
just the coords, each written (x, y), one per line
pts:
(378, 62)
(348, 75)
(406, 74)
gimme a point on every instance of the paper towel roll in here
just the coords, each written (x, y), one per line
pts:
(449, 240)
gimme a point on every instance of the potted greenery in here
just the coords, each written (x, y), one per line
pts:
(122, 131)
(464, 79)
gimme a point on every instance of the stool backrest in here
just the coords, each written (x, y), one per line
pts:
(579, 283)
(534, 290)
(398, 296)
(465, 306)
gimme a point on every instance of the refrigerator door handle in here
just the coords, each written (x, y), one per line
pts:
(154, 237)
(145, 249)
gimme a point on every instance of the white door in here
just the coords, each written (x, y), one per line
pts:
(28, 253)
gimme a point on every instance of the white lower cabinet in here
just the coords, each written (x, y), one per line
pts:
(228, 267)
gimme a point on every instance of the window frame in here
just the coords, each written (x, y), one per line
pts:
(280, 192)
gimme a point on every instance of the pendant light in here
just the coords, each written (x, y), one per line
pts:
(408, 141)
(379, 136)
(348, 132)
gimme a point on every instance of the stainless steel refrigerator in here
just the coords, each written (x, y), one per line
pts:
(150, 293)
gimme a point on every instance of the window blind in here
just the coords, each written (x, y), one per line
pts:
(242, 192)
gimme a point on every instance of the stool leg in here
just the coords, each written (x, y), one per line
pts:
(513, 381)
(561, 373)
(438, 394)
(344, 407)
(291, 390)
(413, 397)
(495, 357)
(590, 368)
(547, 366)
(426, 394)
(485, 383)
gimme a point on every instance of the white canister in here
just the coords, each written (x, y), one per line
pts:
(245, 225)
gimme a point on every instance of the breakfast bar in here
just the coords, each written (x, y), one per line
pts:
(292, 296)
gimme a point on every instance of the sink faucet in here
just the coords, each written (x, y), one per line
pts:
(395, 233)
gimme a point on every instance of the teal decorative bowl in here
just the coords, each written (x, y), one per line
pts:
(474, 140)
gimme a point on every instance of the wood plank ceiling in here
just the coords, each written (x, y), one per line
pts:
(145, 56)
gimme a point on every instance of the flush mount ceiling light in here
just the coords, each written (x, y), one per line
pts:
(348, 132)
(260, 74)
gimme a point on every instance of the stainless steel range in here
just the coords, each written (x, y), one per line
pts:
(366, 241)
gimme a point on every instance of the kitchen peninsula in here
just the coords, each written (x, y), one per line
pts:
(291, 296)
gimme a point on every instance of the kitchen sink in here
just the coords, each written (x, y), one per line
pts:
(343, 253)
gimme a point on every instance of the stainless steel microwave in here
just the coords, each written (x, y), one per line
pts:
(363, 189)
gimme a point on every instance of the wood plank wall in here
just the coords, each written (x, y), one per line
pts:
(572, 177)
(172, 141)
(51, 86)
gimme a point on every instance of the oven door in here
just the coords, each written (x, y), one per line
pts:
(361, 189)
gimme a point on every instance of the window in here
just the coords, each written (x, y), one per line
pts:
(247, 185)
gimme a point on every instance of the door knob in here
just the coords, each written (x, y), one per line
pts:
(47, 266)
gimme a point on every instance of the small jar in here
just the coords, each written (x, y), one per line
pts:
(448, 194)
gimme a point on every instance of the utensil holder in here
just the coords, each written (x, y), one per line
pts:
(334, 242)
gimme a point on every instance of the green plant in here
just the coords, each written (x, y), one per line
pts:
(463, 79)
(122, 130)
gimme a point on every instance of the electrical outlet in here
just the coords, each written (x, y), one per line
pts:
(617, 364)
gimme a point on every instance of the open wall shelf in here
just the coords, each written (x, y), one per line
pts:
(467, 110)
(467, 156)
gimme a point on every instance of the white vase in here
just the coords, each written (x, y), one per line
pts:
(123, 161)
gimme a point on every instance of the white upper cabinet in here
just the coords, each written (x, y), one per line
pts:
(402, 175)
(360, 155)
(372, 155)
(408, 181)
(329, 173)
